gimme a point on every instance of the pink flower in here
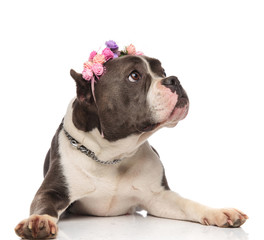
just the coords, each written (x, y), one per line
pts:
(87, 74)
(139, 53)
(99, 58)
(131, 50)
(92, 55)
(88, 65)
(98, 69)
(108, 54)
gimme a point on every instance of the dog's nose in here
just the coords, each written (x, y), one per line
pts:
(173, 84)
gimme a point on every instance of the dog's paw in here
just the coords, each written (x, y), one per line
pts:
(225, 217)
(37, 226)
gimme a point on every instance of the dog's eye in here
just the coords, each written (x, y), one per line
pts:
(134, 76)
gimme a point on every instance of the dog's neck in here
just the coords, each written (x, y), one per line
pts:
(89, 135)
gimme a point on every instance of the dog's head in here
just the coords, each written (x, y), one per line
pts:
(134, 95)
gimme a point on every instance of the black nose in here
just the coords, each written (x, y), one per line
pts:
(173, 84)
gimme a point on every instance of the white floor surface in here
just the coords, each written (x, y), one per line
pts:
(143, 227)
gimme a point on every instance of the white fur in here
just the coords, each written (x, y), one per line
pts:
(161, 101)
(94, 181)
(110, 190)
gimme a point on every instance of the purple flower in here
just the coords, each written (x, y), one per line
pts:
(112, 45)
(116, 54)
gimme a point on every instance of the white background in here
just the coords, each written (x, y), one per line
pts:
(216, 48)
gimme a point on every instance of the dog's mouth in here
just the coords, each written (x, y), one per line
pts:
(179, 112)
(182, 102)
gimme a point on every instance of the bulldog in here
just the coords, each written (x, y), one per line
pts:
(100, 162)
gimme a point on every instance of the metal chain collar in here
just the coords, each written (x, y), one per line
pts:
(88, 152)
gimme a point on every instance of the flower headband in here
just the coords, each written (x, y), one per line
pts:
(93, 68)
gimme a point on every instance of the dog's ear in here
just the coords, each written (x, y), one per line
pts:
(83, 88)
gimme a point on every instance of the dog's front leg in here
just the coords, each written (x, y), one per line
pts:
(168, 204)
(50, 200)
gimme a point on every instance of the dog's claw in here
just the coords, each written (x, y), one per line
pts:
(30, 225)
(206, 222)
(53, 230)
(230, 222)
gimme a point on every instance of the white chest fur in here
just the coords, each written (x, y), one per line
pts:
(110, 190)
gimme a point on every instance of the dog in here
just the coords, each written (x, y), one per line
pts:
(100, 162)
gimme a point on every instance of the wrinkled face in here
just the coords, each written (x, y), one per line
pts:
(134, 95)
